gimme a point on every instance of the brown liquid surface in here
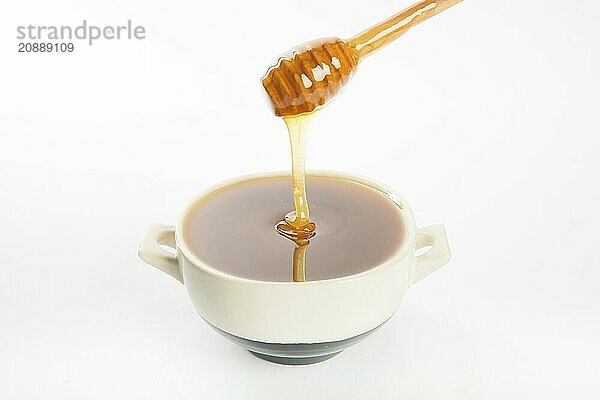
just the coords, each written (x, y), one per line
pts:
(233, 231)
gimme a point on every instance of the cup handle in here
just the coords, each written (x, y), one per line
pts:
(438, 255)
(151, 252)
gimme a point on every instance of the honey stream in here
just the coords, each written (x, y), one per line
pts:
(297, 225)
(305, 81)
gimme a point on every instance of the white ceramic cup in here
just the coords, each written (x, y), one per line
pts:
(298, 322)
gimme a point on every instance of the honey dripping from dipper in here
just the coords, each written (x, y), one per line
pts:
(306, 80)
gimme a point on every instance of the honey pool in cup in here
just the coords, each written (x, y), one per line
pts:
(254, 302)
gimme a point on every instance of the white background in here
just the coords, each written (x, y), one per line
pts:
(485, 118)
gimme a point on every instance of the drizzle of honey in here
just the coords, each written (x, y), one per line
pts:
(296, 225)
(299, 261)
(298, 132)
(304, 81)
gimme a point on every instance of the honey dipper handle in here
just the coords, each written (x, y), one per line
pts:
(385, 32)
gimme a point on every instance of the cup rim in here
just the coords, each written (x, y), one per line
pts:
(405, 214)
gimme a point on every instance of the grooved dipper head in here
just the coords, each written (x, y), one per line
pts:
(309, 76)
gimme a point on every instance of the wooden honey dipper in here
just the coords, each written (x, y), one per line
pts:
(315, 72)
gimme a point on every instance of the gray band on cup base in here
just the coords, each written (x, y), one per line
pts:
(295, 353)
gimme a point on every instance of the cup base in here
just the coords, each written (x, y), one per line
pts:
(294, 360)
(295, 353)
